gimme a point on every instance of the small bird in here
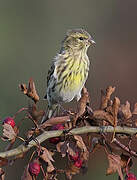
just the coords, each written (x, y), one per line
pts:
(69, 70)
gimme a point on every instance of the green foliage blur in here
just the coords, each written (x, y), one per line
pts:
(30, 35)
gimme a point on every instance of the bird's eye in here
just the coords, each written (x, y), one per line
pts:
(81, 38)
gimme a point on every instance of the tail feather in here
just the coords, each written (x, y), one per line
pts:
(51, 111)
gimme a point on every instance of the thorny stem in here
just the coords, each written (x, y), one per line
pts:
(127, 168)
(30, 117)
(83, 130)
(43, 172)
(20, 138)
(133, 153)
(20, 110)
(32, 156)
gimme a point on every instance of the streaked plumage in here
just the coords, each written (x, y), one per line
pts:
(69, 70)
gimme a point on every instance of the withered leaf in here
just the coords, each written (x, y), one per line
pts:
(30, 91)
(8, 132)
(102, 115)
(72, 170)
(105, 97)
(82, 104)
(135, 109)
(62, 147)
(83, 101)
(82, 146)
(71, 152)
(26, 175)
(35, 114)
(114, 165)
(50, 176)
(55, 120)
(11, 143)
(2, 174)
(125, 108)
(47, 157)
(135, 124)
(95, 144)
(80, 143)
(115, 108)
(67, 147)
(126, 161)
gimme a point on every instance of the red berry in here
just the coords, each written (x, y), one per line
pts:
(75, 157)
(34, 168)
(57, 127)
(56, 140)
(10, 121)
(130, 176)
(78, 163)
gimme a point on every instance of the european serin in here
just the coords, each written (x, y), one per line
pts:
(69, 70)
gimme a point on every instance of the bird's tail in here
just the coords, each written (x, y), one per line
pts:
(51, 111)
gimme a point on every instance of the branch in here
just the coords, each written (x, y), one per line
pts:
(49, 134)
(125, 148)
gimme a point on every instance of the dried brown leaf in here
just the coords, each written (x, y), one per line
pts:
(103, 116)
(23, 88)
(105, 97)
(71, 152)
(67, 147)
(26, 175)
(62, 147)
(135, 109)
(81, 105)
(30, 91)
(50, 176)
(54, 120)
(83, 101)
(126, 161)
(72, 170)
(8, 132)
(35, 114)
(80, 143)
(125, 108)
(2, 174)
(115, 109)
(135, 121)
(47, 157)
(95, 144)
(114, 165)
(11, 143)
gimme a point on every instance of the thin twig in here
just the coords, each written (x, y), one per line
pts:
(125, 148)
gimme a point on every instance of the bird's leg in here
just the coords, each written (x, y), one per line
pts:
(57, 110)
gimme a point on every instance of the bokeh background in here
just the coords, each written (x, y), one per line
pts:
(30, 36)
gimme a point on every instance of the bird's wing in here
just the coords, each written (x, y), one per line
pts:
(50, 73)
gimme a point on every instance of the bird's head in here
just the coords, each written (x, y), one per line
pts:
(77, 39)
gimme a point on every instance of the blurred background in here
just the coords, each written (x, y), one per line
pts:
(30, 36)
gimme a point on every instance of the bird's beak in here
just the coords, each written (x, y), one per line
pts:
(91, 41)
